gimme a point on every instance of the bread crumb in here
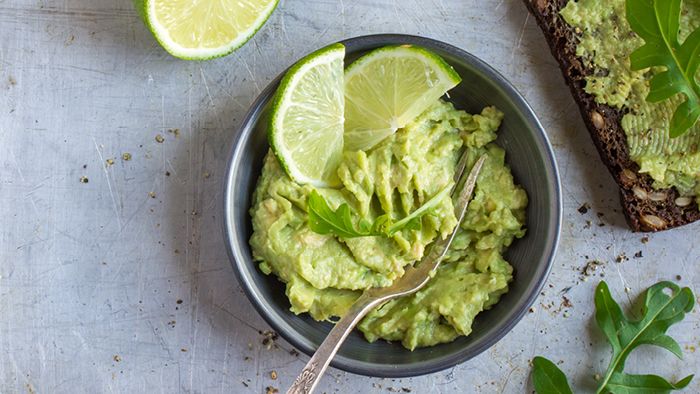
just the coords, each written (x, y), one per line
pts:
(583, 209)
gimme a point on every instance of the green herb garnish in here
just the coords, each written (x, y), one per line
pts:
(665, 304)
(548, 378)
(658, 23)
(324, 220)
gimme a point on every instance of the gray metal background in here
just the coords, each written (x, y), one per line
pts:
(91, 273)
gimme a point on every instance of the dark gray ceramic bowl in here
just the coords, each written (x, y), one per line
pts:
(532, 162)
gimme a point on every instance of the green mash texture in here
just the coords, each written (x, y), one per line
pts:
(606, 41)
(324, 274)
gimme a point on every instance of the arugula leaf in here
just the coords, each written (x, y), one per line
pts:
(665, 304)
(548, 378)
(412, 221)
(660, 311)
(658, 22)
(642, 384)
(324, 220)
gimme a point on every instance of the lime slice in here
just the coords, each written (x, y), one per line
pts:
(204, 29)
(306, 123)
(388, 88)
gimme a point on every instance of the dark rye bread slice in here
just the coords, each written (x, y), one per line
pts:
(645, 208)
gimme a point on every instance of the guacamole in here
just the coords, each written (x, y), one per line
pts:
(606, 41)
(324, 274)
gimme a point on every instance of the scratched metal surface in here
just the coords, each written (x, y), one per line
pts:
(122, 283)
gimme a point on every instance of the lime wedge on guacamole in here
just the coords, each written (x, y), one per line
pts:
(388, 88)
(204, 29)
(306, 121)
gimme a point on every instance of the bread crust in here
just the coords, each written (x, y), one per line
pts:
(646, 209)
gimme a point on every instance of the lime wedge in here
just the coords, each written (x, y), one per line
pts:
(306, 122)
(388, 88)
(204, 29)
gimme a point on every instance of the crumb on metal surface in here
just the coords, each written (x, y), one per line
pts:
(591, 268)
(566, 302)
(159, 138)
(269, 338)
(126, 156)
(84, 179)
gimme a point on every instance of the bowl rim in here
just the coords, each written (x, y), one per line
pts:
(237, 258)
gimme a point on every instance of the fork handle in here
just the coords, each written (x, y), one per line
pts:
(306, 382)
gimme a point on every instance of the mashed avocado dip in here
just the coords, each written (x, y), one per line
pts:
(324, 274)
(606, 41)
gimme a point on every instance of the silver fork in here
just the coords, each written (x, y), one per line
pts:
(414, 279)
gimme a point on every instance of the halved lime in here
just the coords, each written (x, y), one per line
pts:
(388, 88)
(204, 29)
(306, 122)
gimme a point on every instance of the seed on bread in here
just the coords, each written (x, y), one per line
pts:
(657, 196)
(653, 222)
(597, 120)
(683, 201)
(640, 193)
(628, 176)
